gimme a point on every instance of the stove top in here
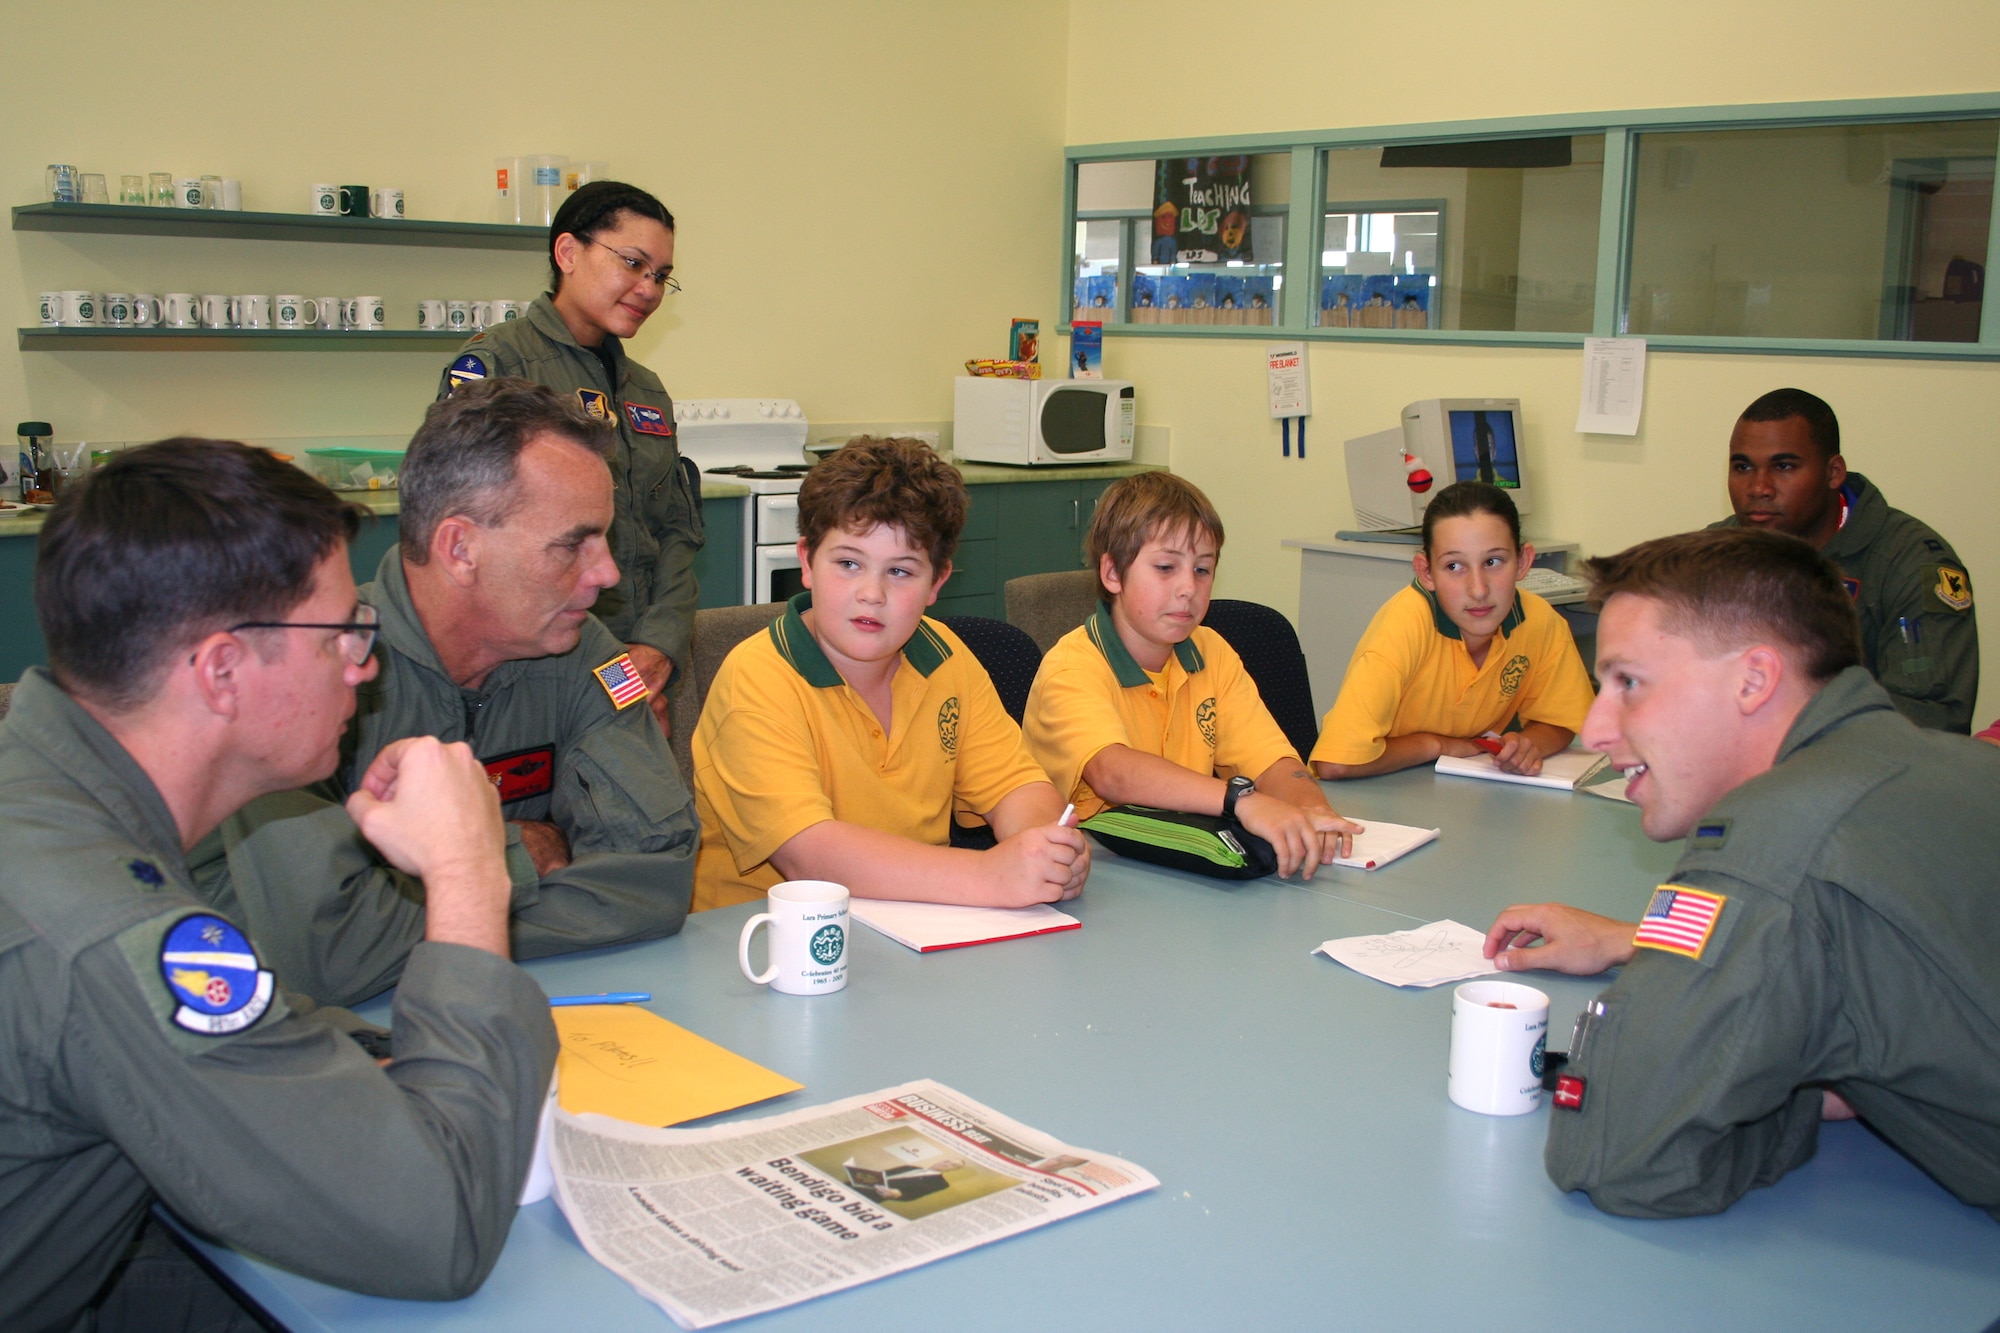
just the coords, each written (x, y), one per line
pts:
(756, 442)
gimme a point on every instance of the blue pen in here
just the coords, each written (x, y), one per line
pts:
(609, 997)
(1911, 630)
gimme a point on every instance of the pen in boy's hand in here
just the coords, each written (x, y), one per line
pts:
(1487, 743)
(608, 997)
(1069, 813)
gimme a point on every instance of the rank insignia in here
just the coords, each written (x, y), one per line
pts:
(621, 680)
(648, 420)
(595, 403)
(1712, 834)
(213, 974)
(147, 873)
(1679, 920)
(1952, 588)
(523, 774)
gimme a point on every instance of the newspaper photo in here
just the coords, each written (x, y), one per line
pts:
(717, 1224)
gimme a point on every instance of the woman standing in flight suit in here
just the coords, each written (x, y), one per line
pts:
(611, 260)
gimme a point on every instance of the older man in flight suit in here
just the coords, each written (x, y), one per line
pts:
(486, 637)
(1829, 942)
(205, 642)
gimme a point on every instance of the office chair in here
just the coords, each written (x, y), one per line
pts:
(1269, 647)
(1049, 606)
(717, 629)
(1007, 653)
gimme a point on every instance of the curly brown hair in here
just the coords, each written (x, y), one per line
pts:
(900, 483)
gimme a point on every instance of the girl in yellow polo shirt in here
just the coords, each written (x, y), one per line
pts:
(1459, 656)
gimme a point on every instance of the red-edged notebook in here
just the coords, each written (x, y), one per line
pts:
(929, 927)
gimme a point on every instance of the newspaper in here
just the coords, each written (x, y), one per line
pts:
(716, 1224)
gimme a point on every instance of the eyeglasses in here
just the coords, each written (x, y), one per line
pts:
(357, 636)
(663, 277)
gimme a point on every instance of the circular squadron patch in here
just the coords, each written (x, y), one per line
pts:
(212, 971)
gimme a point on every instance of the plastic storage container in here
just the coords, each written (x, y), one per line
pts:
(346, 468)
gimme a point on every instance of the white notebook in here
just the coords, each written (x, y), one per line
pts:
(1564, 769)
(1381, 842)
(928, 927)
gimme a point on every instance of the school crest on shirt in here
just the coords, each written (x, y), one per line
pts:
(1204, 719)
(1513, 674)
(948, 727)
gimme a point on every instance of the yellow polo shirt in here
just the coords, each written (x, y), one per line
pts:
(1411, 672)
(784, 743)
(1202, 710)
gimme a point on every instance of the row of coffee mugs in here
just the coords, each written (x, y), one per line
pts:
(187, 310)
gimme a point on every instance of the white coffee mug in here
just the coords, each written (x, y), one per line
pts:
(79, 308)
(458, 315)
(52, 308)
(232, 194)
(325, 201)
(1499, 1033)
(368, 313)
(385, 202)
(187, 192)
(431, 316)
(482, 314)
(145, 310)
(332, 312)
(499, 312)
(180, 310)
(253, 312)
(116, 311)
(808, 938)
(293, 312)
(217, 311)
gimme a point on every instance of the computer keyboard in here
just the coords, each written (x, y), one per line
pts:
(1549, 583)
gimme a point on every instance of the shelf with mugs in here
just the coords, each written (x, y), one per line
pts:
(140, 220)
(78, 339)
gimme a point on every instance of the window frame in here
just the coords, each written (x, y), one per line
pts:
(1296, 317)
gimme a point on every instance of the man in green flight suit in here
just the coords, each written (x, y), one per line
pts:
(204, 644)
(487, 638)
(1919, 636)
(611, 251)
(1828, 944)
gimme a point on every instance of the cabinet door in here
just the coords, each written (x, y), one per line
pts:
(719, 563)
(376, 538)
(1041, 527)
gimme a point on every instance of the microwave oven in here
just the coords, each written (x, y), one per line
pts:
(1034, 422)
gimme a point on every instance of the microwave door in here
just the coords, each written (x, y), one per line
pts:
(1073, 422)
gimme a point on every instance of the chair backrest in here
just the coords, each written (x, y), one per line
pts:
(1049, 606)
(1007, 653)
(6, 698)
(717, 629)
(1269, 647)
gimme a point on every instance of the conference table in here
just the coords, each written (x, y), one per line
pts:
(1313, 1172)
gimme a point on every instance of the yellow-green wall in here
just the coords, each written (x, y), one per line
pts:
(1926, 431)
(866, 193)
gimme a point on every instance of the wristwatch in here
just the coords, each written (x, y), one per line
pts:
(1239, 787)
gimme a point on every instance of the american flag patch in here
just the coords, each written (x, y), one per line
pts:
(1679, 920)
(621, 680)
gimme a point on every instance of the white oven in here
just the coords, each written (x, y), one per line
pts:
(757, 443)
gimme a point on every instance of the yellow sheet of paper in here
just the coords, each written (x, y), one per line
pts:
(624, 1061)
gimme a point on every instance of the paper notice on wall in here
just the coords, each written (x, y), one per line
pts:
(1614, 386)
(1290, 380)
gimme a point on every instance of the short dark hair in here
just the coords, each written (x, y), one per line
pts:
(168, 543)
(1462, 499)
(1785, 404)
(595, 206)
(1135, 509)
(899, 482)
(1727, 588)
(463, 459)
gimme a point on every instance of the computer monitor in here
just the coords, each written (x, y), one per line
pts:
(1469, 439)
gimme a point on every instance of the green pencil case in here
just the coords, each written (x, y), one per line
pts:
(1202, 844)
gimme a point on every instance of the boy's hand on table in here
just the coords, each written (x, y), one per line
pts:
(1045, 864)
(1458, 747)
(1518, 754)
(1572, 940)
(1295, 835)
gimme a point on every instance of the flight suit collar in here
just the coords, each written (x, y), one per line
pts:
(400, 628)
(50, 721)
(1848, 695)
(1867, 515)
(1103, 631)
(1449, 628)
(926, 651)
(547, 322)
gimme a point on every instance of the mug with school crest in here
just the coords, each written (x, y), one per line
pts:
(431, 316)
(293, 312)
(145, 310)
(117, 310)
(180, 310)
(809, 931)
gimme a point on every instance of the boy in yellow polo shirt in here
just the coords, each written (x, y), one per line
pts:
(1143, 705)
(835, 745)
(1459, 655)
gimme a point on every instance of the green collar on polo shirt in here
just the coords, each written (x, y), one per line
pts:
(1449, 628)
(1104, 633)
(926, 651)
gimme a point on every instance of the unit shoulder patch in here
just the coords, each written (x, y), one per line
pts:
(621, 680)
(596, 403)
(1679, 920)
(466, 369)
(213, 975)
(1950, 585)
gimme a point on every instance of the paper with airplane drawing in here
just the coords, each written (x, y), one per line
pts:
(1425, 956)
